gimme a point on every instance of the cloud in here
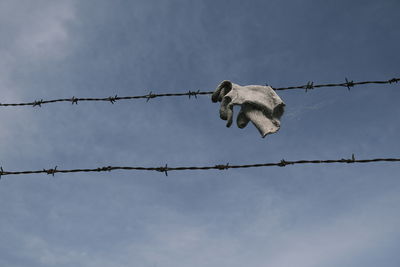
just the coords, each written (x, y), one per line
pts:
(349, 235)
(173, 239)
(37, 29)
(32, 32)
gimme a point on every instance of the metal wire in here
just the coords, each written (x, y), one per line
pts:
(165, 169)
(112, 99)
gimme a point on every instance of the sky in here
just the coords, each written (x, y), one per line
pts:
(303, 215)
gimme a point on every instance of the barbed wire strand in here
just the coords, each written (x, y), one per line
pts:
(112, 99)
(165, 169)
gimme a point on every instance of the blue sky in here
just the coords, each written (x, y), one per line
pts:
(305, 216)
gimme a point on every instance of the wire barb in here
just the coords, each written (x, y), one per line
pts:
(113, 99)
(283, 163)
(190, 93)
(74, 100)
(1, 172)
(38, 103)
(349, 84)
(150, 95)
(163, 169)
(51, 171)
(309, 86)
(222, 167)
(105, 169)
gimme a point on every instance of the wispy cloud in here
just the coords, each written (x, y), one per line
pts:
(38, 28)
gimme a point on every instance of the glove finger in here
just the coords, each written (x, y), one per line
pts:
(222, 89)
(264, 124)
(229, 113)
(215, 95)
(242, 120)
(224, 110)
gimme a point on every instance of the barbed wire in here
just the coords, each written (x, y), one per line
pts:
(112, 99)
(165, 169)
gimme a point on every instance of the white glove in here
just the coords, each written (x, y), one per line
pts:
(260, 105)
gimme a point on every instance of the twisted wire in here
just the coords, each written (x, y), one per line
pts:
(165, 169)
(112, 99)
